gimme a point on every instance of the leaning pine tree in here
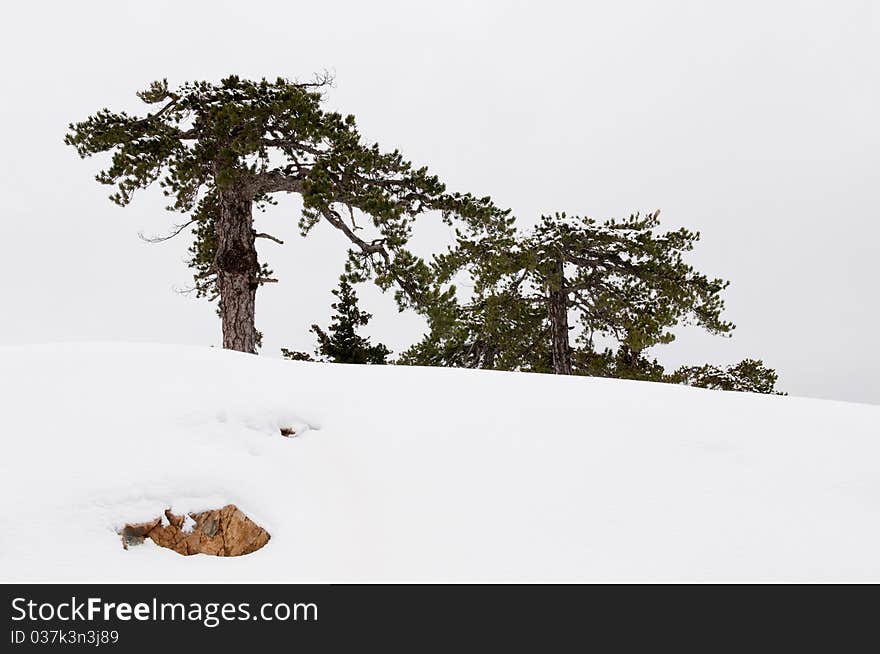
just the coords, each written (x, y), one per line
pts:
(218, 150)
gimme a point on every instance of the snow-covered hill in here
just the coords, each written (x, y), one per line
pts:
(416, 474)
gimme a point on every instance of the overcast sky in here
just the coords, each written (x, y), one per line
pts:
(755, 123)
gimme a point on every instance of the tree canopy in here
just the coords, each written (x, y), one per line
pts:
(619, 279)
(572, 295)
(216, 150)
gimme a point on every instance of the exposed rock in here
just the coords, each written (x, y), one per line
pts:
(133, 534)
(221, 532)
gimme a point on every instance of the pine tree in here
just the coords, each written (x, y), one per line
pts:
(619, 279)
(500, 331)
(218, 150)
(749, 375)
(341, 343)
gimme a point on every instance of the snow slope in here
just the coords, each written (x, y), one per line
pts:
(417, 474)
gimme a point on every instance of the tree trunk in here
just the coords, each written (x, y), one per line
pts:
(237, 270)
(557, 312)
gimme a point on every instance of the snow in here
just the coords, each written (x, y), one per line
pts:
(188, 524)
(419, 474)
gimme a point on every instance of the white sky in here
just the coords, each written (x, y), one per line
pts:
(754, 122)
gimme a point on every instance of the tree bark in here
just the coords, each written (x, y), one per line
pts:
(557, 313)
(237, 269)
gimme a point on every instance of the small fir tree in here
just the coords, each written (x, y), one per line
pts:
(341, 343)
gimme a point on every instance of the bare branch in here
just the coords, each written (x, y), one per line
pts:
(268, 236)
(161, 239)
(351, 216)
(322, 79)
(373, 247)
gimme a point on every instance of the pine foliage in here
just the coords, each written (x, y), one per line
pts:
(201, 142)
(749, 375)
(621, 280)
(341, 343)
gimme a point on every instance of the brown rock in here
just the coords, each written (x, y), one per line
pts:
(221, 532)
(133, 534)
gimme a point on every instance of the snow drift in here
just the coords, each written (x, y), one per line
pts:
(417, 474)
